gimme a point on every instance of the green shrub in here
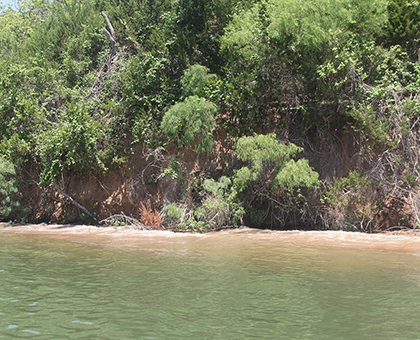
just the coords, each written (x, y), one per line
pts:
(218, 189)
(148, 90)
(403, 24)
(173, 214)
(219, 208)
(195, 79)
(272, 180)
(190, 120)
(8, 189)
(79, 143)
(352, 202)
(271, 162)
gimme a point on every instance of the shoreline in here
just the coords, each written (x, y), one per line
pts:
(390, 241)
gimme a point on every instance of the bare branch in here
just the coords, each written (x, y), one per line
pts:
(72, 200)
(110, 34)
(122, 220)
(111, 29)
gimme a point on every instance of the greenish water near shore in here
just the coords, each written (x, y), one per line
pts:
(218, 287)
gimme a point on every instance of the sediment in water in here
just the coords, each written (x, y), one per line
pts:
(407, 242)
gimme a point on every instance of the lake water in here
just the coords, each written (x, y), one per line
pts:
(85, 284)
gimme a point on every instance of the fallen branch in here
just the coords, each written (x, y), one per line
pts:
(72, 200)
(121, 219)
(110, 34)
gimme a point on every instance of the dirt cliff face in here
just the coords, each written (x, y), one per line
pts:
(119, 190)
(113, 192)
(141, 179)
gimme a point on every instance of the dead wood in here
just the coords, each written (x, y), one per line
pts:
(110, 34)
(72, 200)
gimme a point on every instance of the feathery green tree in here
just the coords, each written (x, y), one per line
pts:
(403, 25)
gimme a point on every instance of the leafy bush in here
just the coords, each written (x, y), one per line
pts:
(173, 214)
(217, 189)
(193, 118)
(219, 208)
(148, 90)
(271, 165)
(190, 120)
(403, 24)
(195, 79)
(352, 202)
(215, 210)
(275, 48)
(78, 143)
(271, 178)
(8, 189)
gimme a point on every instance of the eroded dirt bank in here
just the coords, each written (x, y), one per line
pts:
(126, 237)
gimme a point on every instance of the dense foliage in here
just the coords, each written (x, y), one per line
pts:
(81, 82)
(8, 189)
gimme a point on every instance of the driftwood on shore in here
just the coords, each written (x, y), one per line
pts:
(121, 219)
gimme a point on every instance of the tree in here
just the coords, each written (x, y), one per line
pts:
(193, 118)
(403, 25)
(271, 179)
(190, 120)
(275, 49)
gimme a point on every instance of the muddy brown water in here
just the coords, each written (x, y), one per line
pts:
(122, 236)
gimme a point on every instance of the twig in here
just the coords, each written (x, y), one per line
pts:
(127, 220)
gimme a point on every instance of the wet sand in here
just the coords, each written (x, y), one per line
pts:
(127, 237)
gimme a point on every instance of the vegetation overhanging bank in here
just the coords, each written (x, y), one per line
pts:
(269, 113)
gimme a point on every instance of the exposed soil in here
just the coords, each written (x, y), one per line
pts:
(123, 189)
